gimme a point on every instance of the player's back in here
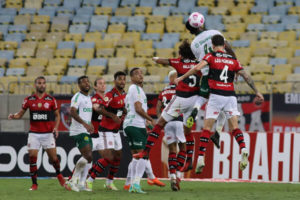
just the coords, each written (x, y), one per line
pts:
(167, 94)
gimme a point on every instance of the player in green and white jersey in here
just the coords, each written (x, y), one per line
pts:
(80, 129)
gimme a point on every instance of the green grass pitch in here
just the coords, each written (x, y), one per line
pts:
(17, 189)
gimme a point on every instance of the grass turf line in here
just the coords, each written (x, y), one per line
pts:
(17, 189)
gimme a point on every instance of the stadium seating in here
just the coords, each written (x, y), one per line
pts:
(53, 37)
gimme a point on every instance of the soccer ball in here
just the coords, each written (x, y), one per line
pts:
(196, 20)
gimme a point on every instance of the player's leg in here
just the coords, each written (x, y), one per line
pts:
(152, 180)
(215, 138)
(114, 167)
(192, 117)
(33, 144)
(181, 155)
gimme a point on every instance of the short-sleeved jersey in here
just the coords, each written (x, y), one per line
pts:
(96, 117)
(135, 94)
(83, 104)
(222, 68)
(41, 112)
(165, 97)
(114, 102)
(190, 85)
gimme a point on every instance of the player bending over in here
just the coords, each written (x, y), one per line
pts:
(222, 68)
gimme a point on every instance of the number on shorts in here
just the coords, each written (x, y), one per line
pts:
(224, 74)
(193, 80)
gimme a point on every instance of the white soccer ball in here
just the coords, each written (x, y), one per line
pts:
(196, 20)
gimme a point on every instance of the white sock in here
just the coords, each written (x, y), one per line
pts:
(140, 170)
(149, 170)
(109, 181)
(129, 173)
(133, 169)
(84, 173)
(79, 167)
(172, 176)
(220, 122)
(179, 174)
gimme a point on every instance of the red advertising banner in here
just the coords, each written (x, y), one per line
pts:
(272, 157)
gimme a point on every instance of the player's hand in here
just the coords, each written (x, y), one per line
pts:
(259, 98)
(89, 127)
(96, 106)
(117, 119)
(155, 59)
(56, 133)
(177, 80)
(11, 116)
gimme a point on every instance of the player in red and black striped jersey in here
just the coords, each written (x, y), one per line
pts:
(173, 134)
(43, 130)
(222, 69)
(186, 95)
(113, 112)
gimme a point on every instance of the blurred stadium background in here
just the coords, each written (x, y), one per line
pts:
(64, 39)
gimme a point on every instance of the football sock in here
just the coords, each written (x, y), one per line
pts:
(149, 170)
(239, 137)
(189, 145)
(56, 165)
(153, 136)
(98, 168)
(33, 169)
(204, 138)
(129, 173)
(114, 167)
(85, 172)
(79, 167)
(140, 169)
(172, 161)
(133, 170)
(181, 156)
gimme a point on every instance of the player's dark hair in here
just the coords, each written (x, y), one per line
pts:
(185, 50)
(97, 79)
(38, 78)
(119, 73)
(218, 40)
(80, 78)
(132, 70)
(194, 31)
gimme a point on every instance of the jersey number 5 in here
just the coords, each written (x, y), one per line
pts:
(223, 75)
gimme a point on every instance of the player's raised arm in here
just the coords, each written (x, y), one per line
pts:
(17, 115)
(192, 71)
(250, 82)
(162, 61)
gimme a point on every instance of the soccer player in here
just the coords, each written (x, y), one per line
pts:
(222, 68)
(173, 133)
(113, 112)
(135, 129)
(201, 45)
(80, 130)
(182, 103)
(42, 133)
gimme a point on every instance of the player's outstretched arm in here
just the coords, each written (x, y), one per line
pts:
(74, 114)
(250, 82)
(162, 61)
(192, 71)
(17, 115)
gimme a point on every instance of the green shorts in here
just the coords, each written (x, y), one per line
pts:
(136, 137)
(82, 140)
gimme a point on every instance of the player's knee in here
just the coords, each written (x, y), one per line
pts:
(172, 147)
(182, 146)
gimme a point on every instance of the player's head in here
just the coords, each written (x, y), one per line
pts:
(40, 84)
(172, 76)
(195, 23)
(136, 75)
(120, 80)
(185, 51)
(100, 85)
(218, 41)
(84, 84)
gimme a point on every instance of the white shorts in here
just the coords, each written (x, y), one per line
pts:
(178, 106)
(174, 132)
(107, 140)
(38, 140)
(217, 103)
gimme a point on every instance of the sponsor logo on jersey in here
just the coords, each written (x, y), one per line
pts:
(87, 109)
(36, 116)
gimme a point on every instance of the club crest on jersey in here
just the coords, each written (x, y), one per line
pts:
(46, 105)
(93, 100)
(106, 99)
(39, 105)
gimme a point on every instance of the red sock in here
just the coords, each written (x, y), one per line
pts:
(204, 138)
(239, 137)
(153, 136)
(33, 169)
(180, 159)
(56, 165)
(98, 167)
(172, 161)
(189, 146)
(115, 164)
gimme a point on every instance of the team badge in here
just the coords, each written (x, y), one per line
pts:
(106, 99)
(93, 100)
(46, 105)
(86, 138)
(39, 105)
